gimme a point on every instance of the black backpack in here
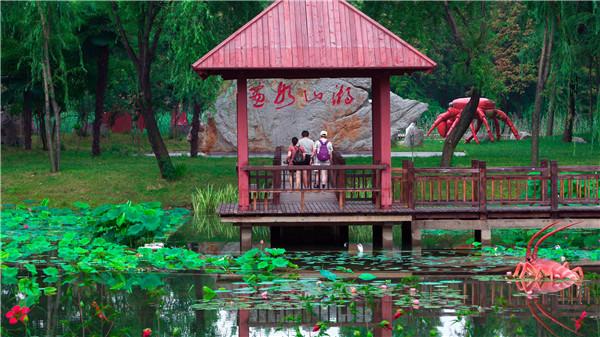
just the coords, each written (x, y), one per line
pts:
(298, 157)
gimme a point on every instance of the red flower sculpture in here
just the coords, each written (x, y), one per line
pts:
(17, 314)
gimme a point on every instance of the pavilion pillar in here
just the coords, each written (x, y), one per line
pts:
(382, 138)
(375, 120)
(242, 145)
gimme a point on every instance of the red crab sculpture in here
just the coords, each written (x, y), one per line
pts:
(541, 268)
(486, 108)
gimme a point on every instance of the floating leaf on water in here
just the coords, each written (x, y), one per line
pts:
(328, 275)
(367, 277)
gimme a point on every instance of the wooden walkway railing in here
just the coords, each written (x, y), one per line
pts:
(353, 182)
(481, 187)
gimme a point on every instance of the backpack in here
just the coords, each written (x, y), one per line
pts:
(298, 158)
(323, 154)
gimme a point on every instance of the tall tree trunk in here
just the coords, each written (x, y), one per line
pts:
(543, 69)
(27, 119)
(50, 98)
(195, 129)
(159, 148)
(42, 129)
(143, 62)
(591, 94)
(568, 133)
(455, 136)
(101, 84)
(551, 108)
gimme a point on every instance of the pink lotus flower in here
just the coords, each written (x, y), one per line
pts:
(17, 314)
(25, 226)
(146, 332)
(383, 287)
(416, 301)
(264, 295)
(316, 328)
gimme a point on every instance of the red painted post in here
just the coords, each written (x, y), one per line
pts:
(482, 190)
(554, 192)
(375, 120)
(382, 118)
(243, 323)
(242, 145)
(408, 179)
(545, 178)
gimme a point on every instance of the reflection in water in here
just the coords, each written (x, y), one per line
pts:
(447, 306)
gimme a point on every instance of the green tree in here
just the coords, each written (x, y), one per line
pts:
(144, 21)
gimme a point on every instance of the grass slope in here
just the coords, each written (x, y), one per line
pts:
(122, 174)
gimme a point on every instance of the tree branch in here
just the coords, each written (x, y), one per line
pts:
(123, 36)
(457, 37)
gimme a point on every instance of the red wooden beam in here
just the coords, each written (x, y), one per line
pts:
(242, 145)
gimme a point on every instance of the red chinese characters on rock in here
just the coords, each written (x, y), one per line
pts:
(285, 96)
(336, 99)
(316, 96)
(280, 99)
(258, 98)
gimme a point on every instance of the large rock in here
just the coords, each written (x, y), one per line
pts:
(341, 106)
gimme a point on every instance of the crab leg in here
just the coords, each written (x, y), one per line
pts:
(537, 318)
(497, 127)
(442, 118)
(474, 133)
(543, 238)
(482, 117)
(534, 236)
(547, 314)
(504, 117)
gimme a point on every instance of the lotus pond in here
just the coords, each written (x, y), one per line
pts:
(85, 272)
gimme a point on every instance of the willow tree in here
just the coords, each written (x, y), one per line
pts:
(190, 30)
(140, 26)
(47, 30)
(543, 71)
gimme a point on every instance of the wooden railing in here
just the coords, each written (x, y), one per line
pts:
(480, 187)
(353, 182)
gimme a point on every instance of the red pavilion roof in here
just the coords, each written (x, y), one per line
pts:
(311, 38)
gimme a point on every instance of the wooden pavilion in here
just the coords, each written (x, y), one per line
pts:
(320, 39)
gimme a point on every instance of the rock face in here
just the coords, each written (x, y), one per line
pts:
(281, 109)
(578, 140)
(414, 136)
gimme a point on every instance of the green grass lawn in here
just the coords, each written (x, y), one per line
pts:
(122, 174)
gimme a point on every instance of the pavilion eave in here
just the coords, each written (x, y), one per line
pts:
(292, 73)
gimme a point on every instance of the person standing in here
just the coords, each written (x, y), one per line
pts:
(307, 145)
(321, 156)
(295, 156)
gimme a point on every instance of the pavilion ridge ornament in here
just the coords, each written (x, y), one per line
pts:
(446, 121)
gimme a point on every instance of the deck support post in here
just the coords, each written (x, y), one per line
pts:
(377, 236)
(382, 138)
(387, 236)
(416, 238)
(243, 323)
(245, 237)
(383, 312)
(406, 235)
(486, 237)
(242, 145)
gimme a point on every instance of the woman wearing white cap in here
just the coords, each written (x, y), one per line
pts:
(321, 155)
